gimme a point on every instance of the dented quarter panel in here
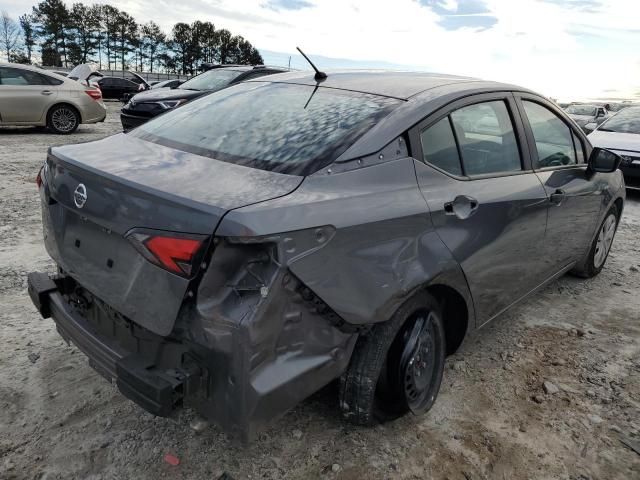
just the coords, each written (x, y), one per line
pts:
(384, 245)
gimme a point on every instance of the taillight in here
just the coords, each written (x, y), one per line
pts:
(94, 93)
(177, 253)
(39, 178)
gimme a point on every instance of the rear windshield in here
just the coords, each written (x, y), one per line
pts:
(627, 121)
(286, 128)
(211, 80)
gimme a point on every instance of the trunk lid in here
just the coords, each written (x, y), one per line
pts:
(134, 184)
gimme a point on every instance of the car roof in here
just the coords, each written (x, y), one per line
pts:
(400, 85)
(420, 93)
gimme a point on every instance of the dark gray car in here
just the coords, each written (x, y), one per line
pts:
(241, 252)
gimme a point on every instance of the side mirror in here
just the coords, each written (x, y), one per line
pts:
(591, 126)
(603, 161)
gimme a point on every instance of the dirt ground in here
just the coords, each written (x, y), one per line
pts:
(494, 418)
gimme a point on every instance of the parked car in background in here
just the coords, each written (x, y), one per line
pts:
(122, 88)
(168, 84)
(146, 105)
(32, 96)
(583, 114)
(621, 134)
(240, 252)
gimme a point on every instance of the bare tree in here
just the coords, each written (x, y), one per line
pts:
(9, 34)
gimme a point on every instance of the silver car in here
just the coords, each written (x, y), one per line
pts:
(621, 134)
(32, 96)
(584, 115)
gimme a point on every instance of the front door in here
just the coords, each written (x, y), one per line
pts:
(575, 195)
(24, 95)
(486, 204)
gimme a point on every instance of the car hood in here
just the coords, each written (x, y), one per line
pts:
(160, 94)
(615, 140)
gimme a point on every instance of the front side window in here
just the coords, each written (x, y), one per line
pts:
(553, 137)
(439, 147)
(286, 128)
(486, 138)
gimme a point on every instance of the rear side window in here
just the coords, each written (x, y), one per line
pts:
(553, 137)
(286, 128)
(52, 81)
(439, 147)
(481, 133)
(487, 141)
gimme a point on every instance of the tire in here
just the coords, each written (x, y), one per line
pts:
(63, 119)
(373, 388)
(592, 264)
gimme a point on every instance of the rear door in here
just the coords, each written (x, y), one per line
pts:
(575, 195)
(25, 95)
(486, 203)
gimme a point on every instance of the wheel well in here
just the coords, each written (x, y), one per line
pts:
(619, 204)
(455, 315)
(66, 104)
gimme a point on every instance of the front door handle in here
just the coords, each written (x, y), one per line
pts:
(46, 92)
(557, 197)
(462, 207)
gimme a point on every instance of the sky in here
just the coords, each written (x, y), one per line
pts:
(566, 49)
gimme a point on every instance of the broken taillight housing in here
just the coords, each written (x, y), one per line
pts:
(176, 252)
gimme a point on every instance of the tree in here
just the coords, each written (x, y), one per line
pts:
(9, 35)
(28, 34)
(153, 41)
(227, 46)
(182, 42)
(53, 22)
(126, 35)
(247, 54)
(84, 22)
(109, 21)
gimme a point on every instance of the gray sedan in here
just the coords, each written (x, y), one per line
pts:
(239, 253)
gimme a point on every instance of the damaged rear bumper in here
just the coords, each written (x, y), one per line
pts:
(134, 375)
(239, 374)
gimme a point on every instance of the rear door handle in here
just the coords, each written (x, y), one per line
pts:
(46, 92)
(462, 207)
(557, 197)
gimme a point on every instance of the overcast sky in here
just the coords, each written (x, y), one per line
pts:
(568, 49)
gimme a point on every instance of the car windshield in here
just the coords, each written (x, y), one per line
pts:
(211, 80)
(589, 110)
(286, 128)
(627, 121)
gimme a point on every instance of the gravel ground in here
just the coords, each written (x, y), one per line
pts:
(495, 417)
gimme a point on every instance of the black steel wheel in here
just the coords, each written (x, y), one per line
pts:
(398, 366)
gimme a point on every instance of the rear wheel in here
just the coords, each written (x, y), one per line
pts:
(593, 263)
(63, 119)
(398, 366)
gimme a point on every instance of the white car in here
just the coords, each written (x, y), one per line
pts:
(32, 96)
(621, 134)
